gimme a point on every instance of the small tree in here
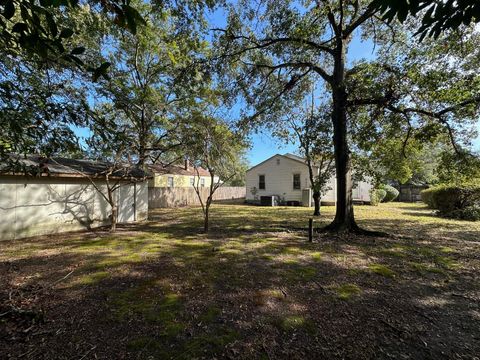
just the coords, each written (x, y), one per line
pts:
(216, 148)
(313, 131)
(110, 145)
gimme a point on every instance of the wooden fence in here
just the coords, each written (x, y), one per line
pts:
(164, 197)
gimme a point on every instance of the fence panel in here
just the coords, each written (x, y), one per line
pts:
(164, 197)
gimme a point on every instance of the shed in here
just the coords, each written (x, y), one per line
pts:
(61, 197)
(411, 191)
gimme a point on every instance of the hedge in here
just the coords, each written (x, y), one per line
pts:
(376, 196)
(391, 194)
(454, 201)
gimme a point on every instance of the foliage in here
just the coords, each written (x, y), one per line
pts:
(155, 80)
(458, 167)
(276, 51)
(47, 46)
(390, 193)
(241, 166)
(471, 213)
(461, 201)
(377, 196)
(110, 144)
(38, 109)
(312, 130)
(437, 16)
(213, 146)
(427, 197)
(39, 30)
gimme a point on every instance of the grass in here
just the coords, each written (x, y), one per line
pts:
(252, 286)
(346, 291)
(382, 270)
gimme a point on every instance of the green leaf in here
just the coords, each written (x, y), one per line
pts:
(101, 71)
(9, 10)
(66, 33)
(78, 50)
(52, 25)
(20, 27)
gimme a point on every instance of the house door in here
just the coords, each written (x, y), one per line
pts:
(126, 203)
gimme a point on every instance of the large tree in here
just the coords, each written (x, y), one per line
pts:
(273, 47)
(156, 77)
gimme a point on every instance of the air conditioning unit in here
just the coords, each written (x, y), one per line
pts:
(268, 200)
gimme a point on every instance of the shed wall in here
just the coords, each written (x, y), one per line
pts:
(39, 206)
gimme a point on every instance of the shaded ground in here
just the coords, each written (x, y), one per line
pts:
(251, 289)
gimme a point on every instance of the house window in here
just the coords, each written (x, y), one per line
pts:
(202, 182)
(170, 181)
(278, 161)
(261, 182)
(296, 181)
(192, 181)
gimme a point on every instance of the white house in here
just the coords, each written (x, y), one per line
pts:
(62, 198)
(287, 177)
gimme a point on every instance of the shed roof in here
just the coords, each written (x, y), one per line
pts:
(177, 169)
(65, 167)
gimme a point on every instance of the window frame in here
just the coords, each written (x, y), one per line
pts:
(168, 181)
(202, 182)
(264, 182)
(299, 181)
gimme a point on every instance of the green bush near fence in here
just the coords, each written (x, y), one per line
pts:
(454, 201)
(391, 193)
(376, 196)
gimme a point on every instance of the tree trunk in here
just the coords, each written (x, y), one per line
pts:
(113, 205)
(344, 218)
(205, 219)
(113, 226)
(316, 202)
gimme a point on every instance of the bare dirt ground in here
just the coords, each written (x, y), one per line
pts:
(250, 289)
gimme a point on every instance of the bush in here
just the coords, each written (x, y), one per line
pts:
(376, 196)
(455, 201)
(471, 213)
(391, 193)
(427, 197)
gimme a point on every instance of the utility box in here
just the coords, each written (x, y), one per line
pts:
(307, 197)
(267, 200)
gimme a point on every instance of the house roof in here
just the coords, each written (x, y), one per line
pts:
(177, 169)
(287, 155)
(65, 167)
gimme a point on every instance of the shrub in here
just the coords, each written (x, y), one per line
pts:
(471, 213)
(391, 193)
(427, 197)
(376, 196)
(455, 201)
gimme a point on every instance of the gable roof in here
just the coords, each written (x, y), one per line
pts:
(287, 155)
(65, 167)
(177, 169)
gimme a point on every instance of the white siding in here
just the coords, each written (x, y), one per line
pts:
(37, 206)
(278, 178)
(279, 181)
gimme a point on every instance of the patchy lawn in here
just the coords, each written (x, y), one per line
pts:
(253, 288)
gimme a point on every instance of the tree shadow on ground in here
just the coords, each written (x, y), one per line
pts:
(160, 290)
